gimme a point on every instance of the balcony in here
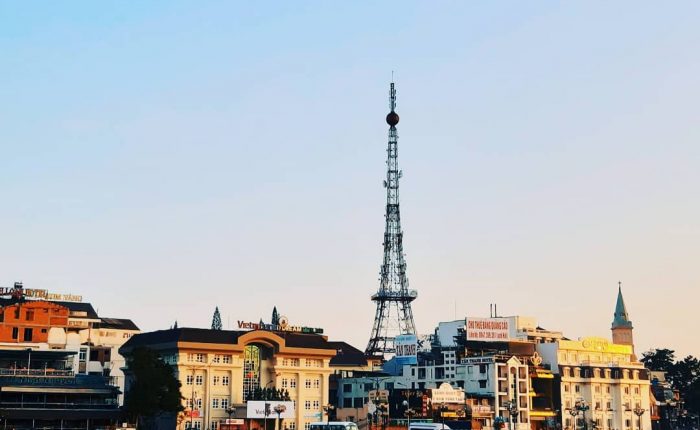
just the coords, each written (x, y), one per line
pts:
(37, 372)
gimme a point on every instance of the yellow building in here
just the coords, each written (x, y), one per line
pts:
(220, 369)
(613, 386)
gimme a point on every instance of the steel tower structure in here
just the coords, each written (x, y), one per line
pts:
(394, 315)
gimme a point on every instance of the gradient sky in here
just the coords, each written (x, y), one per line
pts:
(163, 158)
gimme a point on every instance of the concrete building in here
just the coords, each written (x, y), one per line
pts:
(220, 369)
(604, 376)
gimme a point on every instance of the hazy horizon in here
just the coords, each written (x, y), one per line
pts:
(164, 158)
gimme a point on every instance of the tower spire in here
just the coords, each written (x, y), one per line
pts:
(394, 315)
(620, 319)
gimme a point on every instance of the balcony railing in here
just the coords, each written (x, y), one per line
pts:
(58, 405)
(36, 372)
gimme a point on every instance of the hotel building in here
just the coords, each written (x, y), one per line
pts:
(222, 369)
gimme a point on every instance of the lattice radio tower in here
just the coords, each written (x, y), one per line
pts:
(394, 315)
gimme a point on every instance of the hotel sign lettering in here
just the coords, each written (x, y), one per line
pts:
(282, 326)
(32, 293)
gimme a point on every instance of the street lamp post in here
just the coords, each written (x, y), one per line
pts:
(638, 411)
(279, 409)
(408, 412)
(327, 412)
(442, 408)
(512, 407)
(230, 411)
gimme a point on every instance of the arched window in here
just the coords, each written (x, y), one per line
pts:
(251, 371)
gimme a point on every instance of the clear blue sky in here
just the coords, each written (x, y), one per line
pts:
(163, 158)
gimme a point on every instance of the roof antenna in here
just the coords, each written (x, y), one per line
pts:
(392, 76)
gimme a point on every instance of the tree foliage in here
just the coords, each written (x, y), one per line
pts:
(153, 388)
(661, 360)
(270, 394)
(275, 316)
(216, 320)
(684, 375)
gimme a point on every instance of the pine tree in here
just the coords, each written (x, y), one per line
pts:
(216, 320)
(275, 316)
(175, 325)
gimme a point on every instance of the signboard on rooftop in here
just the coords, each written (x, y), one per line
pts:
(406, 349)
(488, 329)
(33, 293)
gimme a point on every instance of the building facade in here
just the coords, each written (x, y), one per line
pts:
(223, 371)
(604, 376)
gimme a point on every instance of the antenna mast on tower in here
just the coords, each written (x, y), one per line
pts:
(394, 315)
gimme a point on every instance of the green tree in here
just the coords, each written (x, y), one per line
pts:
(153, 389)
(659, 359)
(216, 320)
(275, 316)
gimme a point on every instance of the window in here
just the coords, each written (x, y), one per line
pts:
(295, 362)
(215, 403)
(307, 363)
(608, 406)
(597, 388)
(482, 383)
(200, 358)
(628, 423)
(609, 423)
(566, 388)
(307, 405)
(482, 368)
(469, 369)
(17, 313)
(577, 388)
(285, 383)
(216, 359)
(198, 403)
(347, 402)
(214, 425)
(607, 389)
(215, 380)
(317, 383)
(189, 379)
(307, 383)
(199, 380)
(193, 425)
(293, 383)
(347, 388)
(226, 359)
(224, 403)
(224, 380)
(636, 390)
(15, 333)
(251, 370)
(307, 426)
(627, 390)
(292, 425)
(597, 405)
(317, 405)
(30, 315)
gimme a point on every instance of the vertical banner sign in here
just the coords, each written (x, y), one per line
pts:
(406, 349)
(488, 329)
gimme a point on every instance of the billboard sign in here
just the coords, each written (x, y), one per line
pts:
(406, 349)
(257, 408)
(488, 329)
(446, 394)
